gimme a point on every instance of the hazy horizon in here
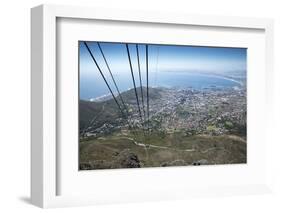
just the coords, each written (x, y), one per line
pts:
(162, 61)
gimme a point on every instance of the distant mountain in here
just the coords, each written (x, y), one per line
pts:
(96, 113)
(130, 96)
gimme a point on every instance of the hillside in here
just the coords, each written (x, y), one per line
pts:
(185, 127)
(95, 114)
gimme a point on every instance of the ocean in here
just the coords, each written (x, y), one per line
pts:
(94, 86)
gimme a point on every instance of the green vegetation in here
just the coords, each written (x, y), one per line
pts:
(211, 128)
(228, 124)
(174, 149)
(182, 130)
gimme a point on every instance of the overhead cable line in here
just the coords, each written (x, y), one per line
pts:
(142, 99)
(115, 84)
(131, 68)
(156, 70)
(124, 116)
(92, 56)
(147, 90)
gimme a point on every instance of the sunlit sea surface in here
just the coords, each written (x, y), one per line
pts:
(93, 87)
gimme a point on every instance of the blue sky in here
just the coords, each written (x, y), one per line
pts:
(162, 58)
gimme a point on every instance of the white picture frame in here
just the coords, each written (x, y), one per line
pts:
(44, 82)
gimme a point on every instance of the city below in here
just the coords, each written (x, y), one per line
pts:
(182, 127)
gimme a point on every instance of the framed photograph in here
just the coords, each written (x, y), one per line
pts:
(129, 106)
(165, 105)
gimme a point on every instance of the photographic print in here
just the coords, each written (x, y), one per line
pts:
(150, 105)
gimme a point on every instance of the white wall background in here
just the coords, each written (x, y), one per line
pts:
(15, 103)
